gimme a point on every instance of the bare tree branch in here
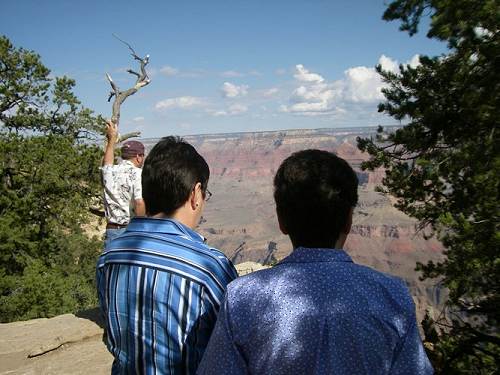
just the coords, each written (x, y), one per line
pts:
(124, 137)
(141, 81)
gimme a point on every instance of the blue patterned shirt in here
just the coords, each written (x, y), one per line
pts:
(160, 288)
(316, 312)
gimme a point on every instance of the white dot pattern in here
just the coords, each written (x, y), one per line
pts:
(316, 312)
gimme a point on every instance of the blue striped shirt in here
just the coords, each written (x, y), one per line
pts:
(160, 288)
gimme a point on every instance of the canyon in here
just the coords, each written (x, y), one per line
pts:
(240, 217)
(240, 220)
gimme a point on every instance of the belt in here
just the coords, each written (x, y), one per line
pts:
(115, 226)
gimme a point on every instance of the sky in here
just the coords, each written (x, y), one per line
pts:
(219, 66)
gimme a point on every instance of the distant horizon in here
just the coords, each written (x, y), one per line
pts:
(223, 67)
(344, 128)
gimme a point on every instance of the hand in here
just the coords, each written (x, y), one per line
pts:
(111, 131)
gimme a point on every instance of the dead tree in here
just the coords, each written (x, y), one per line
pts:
(120, 96)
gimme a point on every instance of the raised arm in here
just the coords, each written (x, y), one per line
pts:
(112, 137)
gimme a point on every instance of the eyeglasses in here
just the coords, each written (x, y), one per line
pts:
(208, 194)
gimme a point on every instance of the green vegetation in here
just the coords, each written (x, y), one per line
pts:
(444, 169)
(49, 179)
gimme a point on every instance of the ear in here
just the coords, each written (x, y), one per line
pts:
(348, 224)
(282, 227)
(196, 197)
(135, 160)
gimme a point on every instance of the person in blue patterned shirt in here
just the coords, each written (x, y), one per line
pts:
(316, 312)
(159, 285)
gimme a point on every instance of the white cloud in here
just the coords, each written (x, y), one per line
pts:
(232, 110)
(303, 75)
(362, 84)
(169, 71)
(280, 71)
(388, 64)
(231, 74)
(218, 113)
(195, 73)
(313, 97)
(237, 109)
(230, 90)
(393, 65)
(138, 119)
(182, 102)
(270, 92)
(414, 61)
(236, 74)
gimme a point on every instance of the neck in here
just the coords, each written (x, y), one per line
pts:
(339, 243)
(179, 215)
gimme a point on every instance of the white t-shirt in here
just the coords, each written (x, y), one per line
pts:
(122, 185)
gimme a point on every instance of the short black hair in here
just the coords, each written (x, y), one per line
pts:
(170, 172)
(314, 191)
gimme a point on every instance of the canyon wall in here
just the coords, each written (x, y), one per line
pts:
(240, 218)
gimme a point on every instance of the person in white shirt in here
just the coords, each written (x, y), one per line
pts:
(121, 183)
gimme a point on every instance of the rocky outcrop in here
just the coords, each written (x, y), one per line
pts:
(249, 267)
(65, 344)
(384, 231)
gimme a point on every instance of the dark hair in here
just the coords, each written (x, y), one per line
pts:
(171, 170)
(314, 191)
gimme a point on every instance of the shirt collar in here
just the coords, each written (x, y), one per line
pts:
(165, 226)
(126, 161)
(308, 255)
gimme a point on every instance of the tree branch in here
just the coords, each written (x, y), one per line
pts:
(141, 81)
(124, 137)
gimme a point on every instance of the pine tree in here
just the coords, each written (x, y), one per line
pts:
(49, 178)
(443, 167)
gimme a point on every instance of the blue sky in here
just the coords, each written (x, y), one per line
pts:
(222, 66)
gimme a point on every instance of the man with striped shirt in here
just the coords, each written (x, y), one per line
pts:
(159, 285)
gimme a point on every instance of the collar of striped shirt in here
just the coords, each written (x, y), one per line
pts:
(167, 226)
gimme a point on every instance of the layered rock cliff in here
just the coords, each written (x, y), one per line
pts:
(240, 217)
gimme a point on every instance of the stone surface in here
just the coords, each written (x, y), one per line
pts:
(65, 344)
(249, 267)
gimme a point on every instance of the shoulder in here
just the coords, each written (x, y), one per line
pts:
(129, 171)
(216, 262)
(389, 288)
(209, 264)
(108, 168)
(255, 283)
